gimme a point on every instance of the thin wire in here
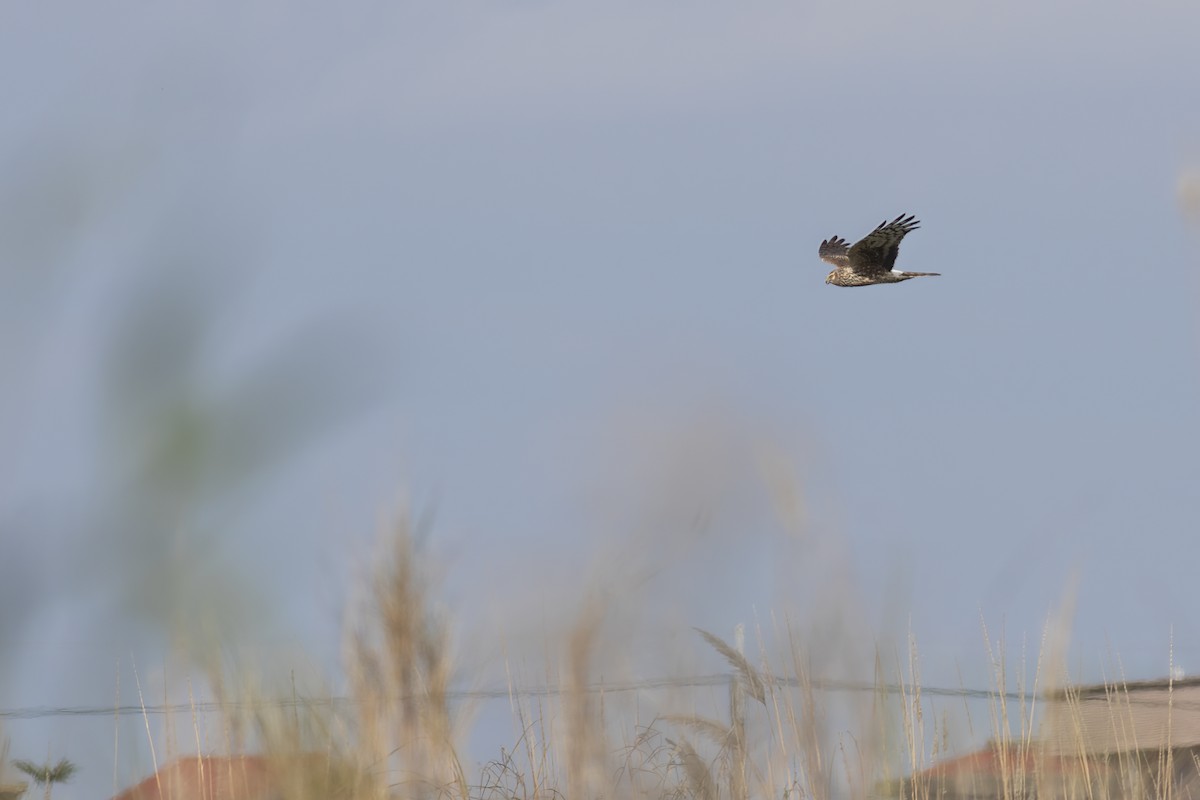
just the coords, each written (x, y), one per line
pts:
(696, 681)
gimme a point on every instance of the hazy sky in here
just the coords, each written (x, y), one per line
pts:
(567, 253)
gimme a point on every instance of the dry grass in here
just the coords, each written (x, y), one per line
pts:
(773, 731)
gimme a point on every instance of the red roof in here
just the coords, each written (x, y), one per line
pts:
(207, 778)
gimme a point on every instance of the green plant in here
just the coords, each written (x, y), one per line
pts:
(47, 774)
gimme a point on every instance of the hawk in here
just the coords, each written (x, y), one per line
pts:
(871, 259)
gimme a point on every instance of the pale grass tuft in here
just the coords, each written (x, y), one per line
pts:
(699, 779)
(749, 675)
(398, 664)
(585, 728)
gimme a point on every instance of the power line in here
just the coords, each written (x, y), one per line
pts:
(692, 682)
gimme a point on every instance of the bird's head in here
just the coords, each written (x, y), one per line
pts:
(829, 277)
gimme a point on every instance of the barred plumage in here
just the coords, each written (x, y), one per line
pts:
(871, 259)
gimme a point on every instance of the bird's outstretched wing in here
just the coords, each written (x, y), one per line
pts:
(876, 252)
(834, 251)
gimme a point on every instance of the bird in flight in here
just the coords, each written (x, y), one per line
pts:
(871, 259)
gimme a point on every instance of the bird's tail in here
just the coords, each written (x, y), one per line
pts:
(921, 274)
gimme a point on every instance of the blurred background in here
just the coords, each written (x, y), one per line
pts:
(543, 278)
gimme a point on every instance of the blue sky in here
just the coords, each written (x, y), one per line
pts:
(554, 267)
